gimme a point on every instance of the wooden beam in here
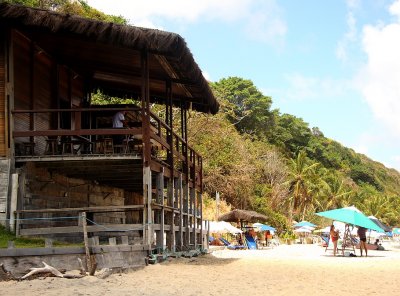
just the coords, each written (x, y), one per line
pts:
(99, 209)
(161, 212)
(78, 229)
(171, 72)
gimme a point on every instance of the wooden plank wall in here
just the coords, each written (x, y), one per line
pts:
(3, 150)
(41, 84)
(22, 83)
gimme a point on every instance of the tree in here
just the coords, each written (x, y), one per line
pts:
(301, 186)
(290, 133)
(78, 7)
(227, 165)
(244, 105)
(334, 192)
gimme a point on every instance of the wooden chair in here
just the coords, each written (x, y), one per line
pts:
(108, 145)
(51, 146)
(28, 148)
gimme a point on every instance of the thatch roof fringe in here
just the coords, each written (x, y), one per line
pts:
(156, 41)
(242, 215)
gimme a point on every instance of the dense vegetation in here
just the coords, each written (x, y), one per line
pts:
(276, 164)
(260, 159)
(78, 7)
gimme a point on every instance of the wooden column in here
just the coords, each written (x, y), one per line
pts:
(200, 205)
(186, 219)
(9, 94)
(160, 200)
(169, 121)
(145, 109)
(32, 89)
(171, 233)
(193, 197)
(180, 195)
(147, 217)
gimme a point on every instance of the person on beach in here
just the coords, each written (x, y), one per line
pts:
(362, 234)
(267, 236)
(334, 237)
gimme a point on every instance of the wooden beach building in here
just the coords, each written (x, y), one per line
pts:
(59, 155)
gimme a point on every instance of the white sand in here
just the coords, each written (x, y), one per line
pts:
(284, 270)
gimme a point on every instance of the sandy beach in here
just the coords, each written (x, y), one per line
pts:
(283, 270)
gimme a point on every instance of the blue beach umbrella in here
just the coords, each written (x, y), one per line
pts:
(263, 227)
(350, 215)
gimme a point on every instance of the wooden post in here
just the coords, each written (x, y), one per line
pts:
(171, 233)
(180, 196)
(200, 205)
(160, 200)
(148, 229)
(86, 241)
(13, 202)
(186, 218)
(194, 212)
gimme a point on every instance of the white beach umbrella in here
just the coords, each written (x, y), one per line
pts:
(223, 227)
(303, 230)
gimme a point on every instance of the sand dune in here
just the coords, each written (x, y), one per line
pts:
(284, 270)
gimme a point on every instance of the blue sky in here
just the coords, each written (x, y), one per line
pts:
(334, 63)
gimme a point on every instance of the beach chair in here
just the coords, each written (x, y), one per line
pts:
(326, 240)
(231, 246)
(251, 243)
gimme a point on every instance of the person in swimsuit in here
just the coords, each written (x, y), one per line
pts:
(334, 237)
(362, 234)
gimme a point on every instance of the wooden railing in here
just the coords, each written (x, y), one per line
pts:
(33, 127)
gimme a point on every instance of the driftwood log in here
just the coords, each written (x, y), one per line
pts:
(46, 269)
(49, 270)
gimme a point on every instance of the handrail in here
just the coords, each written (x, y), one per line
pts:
(180, 145)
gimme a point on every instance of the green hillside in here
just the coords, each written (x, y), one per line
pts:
(258, 158)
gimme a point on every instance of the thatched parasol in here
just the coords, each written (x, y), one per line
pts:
(242, 215)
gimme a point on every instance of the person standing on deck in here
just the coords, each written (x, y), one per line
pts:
(119, 121)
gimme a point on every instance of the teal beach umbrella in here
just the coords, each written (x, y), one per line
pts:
(350, 215)
(304, 223)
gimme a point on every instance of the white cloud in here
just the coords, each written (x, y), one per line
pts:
(261, 20)
(177, 10)
(265, 23)
(379, 79)
(394, 9)
(310, 88)
(351, 35)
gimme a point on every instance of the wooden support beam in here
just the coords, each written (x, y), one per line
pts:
(86, 241)
(145, 109)
(78, 229)
(186, 221)
(179, 195)
(161, 212)
(193, 201)
(170, 202)
(200, 205)
(147, 213)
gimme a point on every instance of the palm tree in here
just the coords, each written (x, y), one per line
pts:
(334, 193)
(301, 184)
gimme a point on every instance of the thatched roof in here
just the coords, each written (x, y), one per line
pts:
(111, 52)
(242, 215)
